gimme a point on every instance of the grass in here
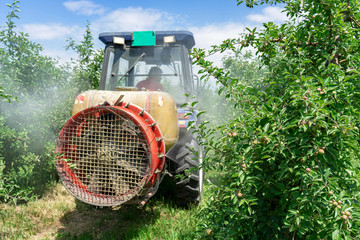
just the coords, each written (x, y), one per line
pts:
(57, 215)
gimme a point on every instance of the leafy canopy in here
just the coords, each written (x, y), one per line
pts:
(289, 159)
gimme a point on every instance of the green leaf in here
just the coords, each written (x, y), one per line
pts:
(335, 235)
(184, 105)
(266, 128)
(194, 103)
(200, 113)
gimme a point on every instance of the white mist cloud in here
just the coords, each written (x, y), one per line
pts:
(268, 14)
(87, 8)
(39, 31)
(135, 19)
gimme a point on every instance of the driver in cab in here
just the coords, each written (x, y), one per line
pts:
(152, 82)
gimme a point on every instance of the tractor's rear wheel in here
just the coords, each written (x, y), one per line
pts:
(187, 175)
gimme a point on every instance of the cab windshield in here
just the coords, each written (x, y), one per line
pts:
(164, 68)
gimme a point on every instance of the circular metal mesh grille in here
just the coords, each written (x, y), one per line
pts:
(103, 157)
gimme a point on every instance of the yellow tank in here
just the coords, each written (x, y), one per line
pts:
(160, 105)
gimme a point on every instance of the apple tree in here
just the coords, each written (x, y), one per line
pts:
(289, 160)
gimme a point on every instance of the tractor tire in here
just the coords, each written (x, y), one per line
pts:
(187, 175)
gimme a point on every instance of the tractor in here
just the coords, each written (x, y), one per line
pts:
(125, 137)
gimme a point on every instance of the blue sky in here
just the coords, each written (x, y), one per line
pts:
(51, 22)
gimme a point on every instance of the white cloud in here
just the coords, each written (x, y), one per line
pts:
(84, 7)
(215, 34)
(50, 31)
(134, 19)
(269, 14)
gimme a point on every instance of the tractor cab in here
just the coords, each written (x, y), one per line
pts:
(148, 61)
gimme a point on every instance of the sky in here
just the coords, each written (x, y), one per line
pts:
(52, 22)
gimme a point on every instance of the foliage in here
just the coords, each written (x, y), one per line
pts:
(245, 67)
(12, 143)
(26, 127)
(45, 91)
(87, 69)
(290, 157)
(4, 95)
